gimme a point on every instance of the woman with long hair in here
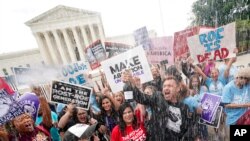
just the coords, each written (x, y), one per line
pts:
(128, 127)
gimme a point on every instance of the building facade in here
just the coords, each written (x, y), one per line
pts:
(26, 58)
(63, 33)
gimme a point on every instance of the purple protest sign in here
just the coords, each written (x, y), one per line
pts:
(209, 104)
(30, 103)
(9, 107)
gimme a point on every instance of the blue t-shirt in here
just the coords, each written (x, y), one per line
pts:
(215, 87)
(191, 102)
(201, 93)
(233, 94)
(53, 131)
(233, 70)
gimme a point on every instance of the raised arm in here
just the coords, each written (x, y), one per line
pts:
(66, 117)
(229, 64)
(196, 68)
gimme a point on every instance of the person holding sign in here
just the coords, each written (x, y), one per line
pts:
(169, 116)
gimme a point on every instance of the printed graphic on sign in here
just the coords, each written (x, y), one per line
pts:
(216, 119)
(134, 59)
(209, 104)
(95, 53)
(9, 108)
(216, 44)
(142, 38)
(66, 93)
(30, 104)
(114, 49)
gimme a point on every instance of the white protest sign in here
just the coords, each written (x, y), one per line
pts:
(133, 59)
(216, 44)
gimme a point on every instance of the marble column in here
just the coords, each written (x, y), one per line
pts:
(69, 46)
(43, 49)
(92, 33)
(60, 47)
(51, 48)
(85, 37)
(78, 44)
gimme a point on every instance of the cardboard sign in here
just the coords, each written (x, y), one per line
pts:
(161, 50)
(134, 59)
(142, 38)
(180, 46)
(9, 107)
(95, 53)
(113, 49)
(66, 93)
(209, 104)
(216, 44)
(216, 119)
(74, 73)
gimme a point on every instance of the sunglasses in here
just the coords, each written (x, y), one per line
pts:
(241, 78)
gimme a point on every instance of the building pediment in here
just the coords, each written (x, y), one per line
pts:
(59, 13)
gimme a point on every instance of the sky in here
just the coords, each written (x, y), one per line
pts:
(119, 17)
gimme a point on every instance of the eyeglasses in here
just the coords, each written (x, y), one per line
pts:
(241, 78)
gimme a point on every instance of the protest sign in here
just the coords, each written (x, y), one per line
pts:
(209, 104)
(9, 107)
(113, 49)
(180, 46)
(22, 76)
(216, 44)
(215, 120)
(142, 38)
(95, 53)
(134, 60)
(30, 104)
(161, 50)
(74, 73)
(66, 93)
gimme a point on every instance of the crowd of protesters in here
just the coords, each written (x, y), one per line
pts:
(167, 108)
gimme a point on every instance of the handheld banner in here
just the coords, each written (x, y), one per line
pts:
(133, 59)
(216, 44)
(66, 93)
(209, 104)
(9, 108)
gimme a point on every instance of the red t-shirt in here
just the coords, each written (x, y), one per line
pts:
(131, 134)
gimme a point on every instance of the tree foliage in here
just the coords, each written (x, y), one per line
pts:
(220, 12)
(215, 13)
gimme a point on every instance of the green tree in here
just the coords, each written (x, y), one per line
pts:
(219, 12)
(215, 13)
